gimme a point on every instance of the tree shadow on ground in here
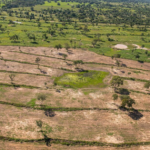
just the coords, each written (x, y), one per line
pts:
(49, 113)
(47, 140)
(135, 114)
(15, 41)
(34, 42)
(122, 91)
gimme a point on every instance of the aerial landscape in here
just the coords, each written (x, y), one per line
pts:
(75, 75)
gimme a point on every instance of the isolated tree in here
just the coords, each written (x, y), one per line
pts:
(32, 37)
(37, 60)
(94, 42)
(117, 63)
(58, 46)
(67, 46)
(12, 76)
(14, 37)
(127, 101)
(76, 62)
(39, 123)
(115, 96)
(71, 42)
(116, 82)
(1, 57)
(147, 85)
(65, 56)
(39, 24)
(45, 36)
(41, 97)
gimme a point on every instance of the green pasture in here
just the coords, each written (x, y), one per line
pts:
(82, 79)
(80, 39)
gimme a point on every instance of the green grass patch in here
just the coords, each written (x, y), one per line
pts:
(82, 79)
(32, 102)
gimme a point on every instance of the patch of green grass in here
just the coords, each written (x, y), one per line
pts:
(110, 134)
(88, 91)
(2, 89)
(32, 102)
(48, 129)
(136, 72)
(82, 79)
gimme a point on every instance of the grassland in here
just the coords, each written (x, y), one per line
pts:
(82, 79)
(79, 39)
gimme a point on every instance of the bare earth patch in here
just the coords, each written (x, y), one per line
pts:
(120, 46)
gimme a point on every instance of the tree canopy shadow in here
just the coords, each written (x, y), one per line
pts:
(15, 41)
(47, 140)
(49, 113)
(135, 115)
(34, 42)
(122, 91)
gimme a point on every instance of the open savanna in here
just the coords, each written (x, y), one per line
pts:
(73, 33)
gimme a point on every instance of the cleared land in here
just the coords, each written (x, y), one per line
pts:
(80, 113)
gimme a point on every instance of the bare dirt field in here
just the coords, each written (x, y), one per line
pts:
(102, 126)
(113, 125)
(75, 54)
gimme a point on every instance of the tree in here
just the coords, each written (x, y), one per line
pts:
(65, 56)
(45, 36)
(94, 42)
(147, 85)
(39, 24)
(14, 37)
(32, 36)
(37, 60)
(12, 76)
(58, 46)
(116, 82)
(39, 123)
(41, 97)
(76, 62)
(117, 63)
(67, 46)
(127, 101)
(115, 96)
(71, 42)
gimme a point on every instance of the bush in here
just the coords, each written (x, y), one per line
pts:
(41, 97)
(147, 85)
(115, 96)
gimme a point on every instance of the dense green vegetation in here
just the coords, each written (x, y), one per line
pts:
(82, 79)
(92, 25)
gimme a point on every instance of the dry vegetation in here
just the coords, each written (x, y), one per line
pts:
(112, 125)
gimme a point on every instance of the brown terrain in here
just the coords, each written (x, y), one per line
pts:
(112, 125)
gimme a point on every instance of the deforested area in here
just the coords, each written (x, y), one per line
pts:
(74, 75)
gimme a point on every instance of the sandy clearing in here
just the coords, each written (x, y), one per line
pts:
(139, 47)
(120, 46)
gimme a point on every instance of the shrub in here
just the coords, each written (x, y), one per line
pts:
(115, 96)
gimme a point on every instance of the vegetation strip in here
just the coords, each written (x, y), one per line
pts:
(84, 62)
(44, 107)
(73, 142)
(39, 55)
(25, 73)
(24, 62)
(20, 85)
(135, 79)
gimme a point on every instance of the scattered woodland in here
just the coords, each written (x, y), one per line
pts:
(75, 74)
